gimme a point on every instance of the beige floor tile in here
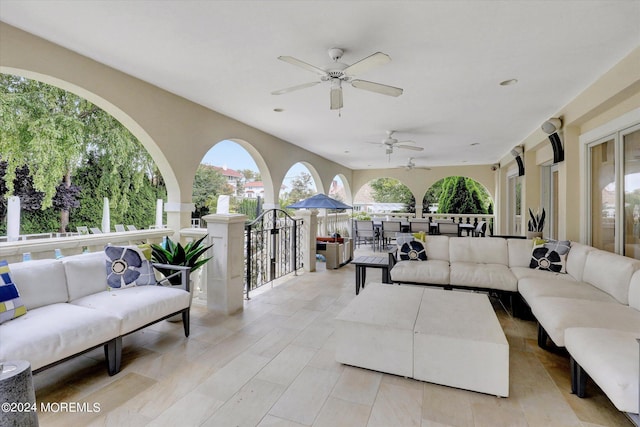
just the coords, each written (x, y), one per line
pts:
(314, 336)
(304, 398)
(446, 406)
(225, 382)
(192, 410)
(286, 366)
(248, 406)
(340, 413)
(496, 414)
(271, 421)
(396, 405)
(357, 385)
(122, 416)
(274, 341)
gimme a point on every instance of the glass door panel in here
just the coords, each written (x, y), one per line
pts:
(603, 195)
(631, 220)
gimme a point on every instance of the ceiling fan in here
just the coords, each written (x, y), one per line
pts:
(337, 72)
(411, 165)
(390, 143)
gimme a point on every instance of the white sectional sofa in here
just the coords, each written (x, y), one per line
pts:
(593, 309)
(70, 311)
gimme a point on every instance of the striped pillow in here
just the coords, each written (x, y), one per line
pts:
(10, 304)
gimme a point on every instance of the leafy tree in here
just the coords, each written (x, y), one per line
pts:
(302, 187)
(462, 195)
(208, 184)
(51, 131)
(390, 190)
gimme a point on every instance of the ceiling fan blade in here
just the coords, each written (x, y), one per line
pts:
(377, 87)
(367, 63)
(409, 147)
(291, 89)
(302, 64)
(336, 98)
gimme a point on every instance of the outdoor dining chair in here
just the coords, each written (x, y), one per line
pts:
(451, 229)
(119, 228)
(95, 230)
(82, 230)
(481, 229)
(417, 226)
(365, 231)
(131, 227)
(389, 230)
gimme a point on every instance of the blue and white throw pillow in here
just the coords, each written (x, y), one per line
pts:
(10, 304)
(413, 251)
(127, 266)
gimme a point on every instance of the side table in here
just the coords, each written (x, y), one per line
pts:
(362, 262)
(17, 394)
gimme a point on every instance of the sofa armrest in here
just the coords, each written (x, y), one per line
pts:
(180, 270)
(392, 258)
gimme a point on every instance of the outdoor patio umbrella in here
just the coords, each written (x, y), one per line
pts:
(320, 201)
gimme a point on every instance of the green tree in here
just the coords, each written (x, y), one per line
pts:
(462, 195)
(390, 190)
(208, 184)
(52, 131)
(302, 187)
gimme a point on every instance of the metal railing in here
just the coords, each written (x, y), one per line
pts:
(272, 248)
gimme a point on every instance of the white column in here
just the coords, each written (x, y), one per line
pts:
(225, 272)
(13, 218)
(309, 233)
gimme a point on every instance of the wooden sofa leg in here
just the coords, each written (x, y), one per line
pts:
(185, 322)
(578, 379)
(113, 354)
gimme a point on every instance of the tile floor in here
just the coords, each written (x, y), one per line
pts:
(273, 365)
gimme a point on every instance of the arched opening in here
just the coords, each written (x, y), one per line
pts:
(63, 154)
(229, 180)
(383, 196)
(299, 183)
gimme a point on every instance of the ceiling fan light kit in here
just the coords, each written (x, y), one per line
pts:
(338, 72)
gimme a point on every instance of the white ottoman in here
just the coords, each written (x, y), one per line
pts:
(375, 331)
(459, 342)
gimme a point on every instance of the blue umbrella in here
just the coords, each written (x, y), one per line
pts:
(319, 201)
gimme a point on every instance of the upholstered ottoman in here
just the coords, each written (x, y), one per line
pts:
(375, 331)
(459, 342)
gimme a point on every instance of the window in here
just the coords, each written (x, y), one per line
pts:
(613, 163)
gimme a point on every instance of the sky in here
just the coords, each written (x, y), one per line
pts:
(233, 156)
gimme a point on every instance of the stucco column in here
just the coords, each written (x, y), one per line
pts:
(178, 215)
(309, 233)
(225, 279)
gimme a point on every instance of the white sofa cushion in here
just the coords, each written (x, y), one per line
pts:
(525, 272)
(489, 250)
(490, 276)
(557, 286)
(576, 259)
(557, 314)
(610, 358)
(50, 333)
(634, 291)
(40, 282)
(86, 274)
(610, 272)
(519, 252)
(431, 271)
(437, 248)
(137, 306)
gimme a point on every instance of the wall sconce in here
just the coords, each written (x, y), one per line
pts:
(517, 152)
(551, 127)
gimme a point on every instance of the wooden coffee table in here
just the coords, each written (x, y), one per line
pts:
(362, 262)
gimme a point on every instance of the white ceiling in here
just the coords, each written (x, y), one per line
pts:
(448, 56)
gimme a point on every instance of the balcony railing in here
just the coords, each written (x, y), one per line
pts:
(46, 247)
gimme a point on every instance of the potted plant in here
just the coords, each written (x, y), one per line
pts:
(175, 254)
(536, 224)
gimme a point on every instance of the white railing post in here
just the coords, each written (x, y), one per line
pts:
(225, 278)
(309, 233)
